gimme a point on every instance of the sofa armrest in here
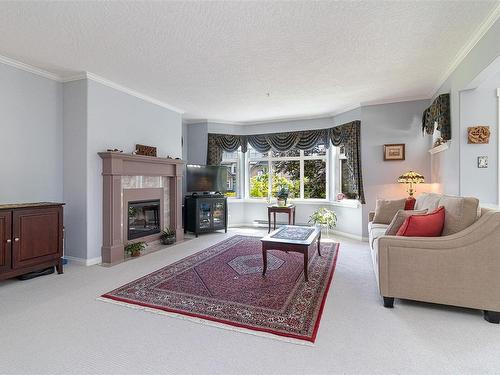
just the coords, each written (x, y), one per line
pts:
(462, 269)
(371, 215)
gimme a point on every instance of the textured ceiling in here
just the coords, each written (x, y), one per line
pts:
(219, 60)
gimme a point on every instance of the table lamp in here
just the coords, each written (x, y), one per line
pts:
(411, 179)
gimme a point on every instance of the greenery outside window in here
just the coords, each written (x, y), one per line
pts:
(304, 173)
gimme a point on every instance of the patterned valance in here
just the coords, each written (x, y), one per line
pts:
(438, 113)
(347, 135)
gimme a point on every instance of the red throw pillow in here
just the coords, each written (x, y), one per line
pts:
(430, 225)
(410, 203)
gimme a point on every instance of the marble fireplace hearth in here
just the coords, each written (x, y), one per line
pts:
(131, 178)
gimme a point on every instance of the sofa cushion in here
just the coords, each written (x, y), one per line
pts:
(386, 209)
(429, 225)
(399, 219)
(376, 233)
(427, 201)
(461, 212)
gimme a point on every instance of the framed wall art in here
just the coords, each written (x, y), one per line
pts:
(394, 152)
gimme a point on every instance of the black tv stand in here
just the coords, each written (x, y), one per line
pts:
(205, 213)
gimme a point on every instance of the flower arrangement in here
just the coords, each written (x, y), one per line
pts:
(167, 236)
(324, 217)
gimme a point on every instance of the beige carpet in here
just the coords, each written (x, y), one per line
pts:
(55, 325)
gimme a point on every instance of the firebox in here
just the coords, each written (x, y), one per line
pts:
(143, 218)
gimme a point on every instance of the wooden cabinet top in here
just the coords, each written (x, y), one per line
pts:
(13, 206)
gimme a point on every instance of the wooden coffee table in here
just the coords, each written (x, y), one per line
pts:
(291, 238)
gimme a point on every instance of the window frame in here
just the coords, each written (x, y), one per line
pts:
(270, 159)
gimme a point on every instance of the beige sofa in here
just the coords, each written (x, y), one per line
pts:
(460, 268)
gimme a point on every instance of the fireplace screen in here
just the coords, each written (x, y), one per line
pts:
(143, 218)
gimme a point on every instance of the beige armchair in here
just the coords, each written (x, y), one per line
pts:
(460, 269)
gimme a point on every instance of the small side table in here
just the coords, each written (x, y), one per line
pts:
(290, 210)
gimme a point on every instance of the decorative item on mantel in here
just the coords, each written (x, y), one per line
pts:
(145, 150)
(114, 150)
(478, 134)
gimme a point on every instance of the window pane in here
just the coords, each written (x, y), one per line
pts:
(229, 155)
(286, 174)
(315, 179)
(289, 153)
(232, 176)
(318, 150)
(259, 179)
(254, 154)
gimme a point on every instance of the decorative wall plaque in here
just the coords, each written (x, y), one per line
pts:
(145, 150)
(478, 134)
(482, 162)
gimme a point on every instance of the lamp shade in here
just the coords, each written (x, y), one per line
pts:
(411, 178)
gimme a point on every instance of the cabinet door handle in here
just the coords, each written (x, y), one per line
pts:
(16, 239)
(9, 240)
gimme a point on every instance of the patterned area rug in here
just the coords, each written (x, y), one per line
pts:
(224, 284)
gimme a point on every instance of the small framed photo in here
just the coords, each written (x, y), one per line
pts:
(482, 162)
(394, 152)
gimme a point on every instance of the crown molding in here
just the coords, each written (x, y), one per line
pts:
(126, 90)
(464, 51)
(29, 68)
(395, 100)
(86, 75)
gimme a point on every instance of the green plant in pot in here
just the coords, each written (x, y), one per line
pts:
(282, 195)
(324, 217)
(168, 236)
(135, 249)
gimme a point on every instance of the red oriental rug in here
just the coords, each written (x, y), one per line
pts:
(223, 285)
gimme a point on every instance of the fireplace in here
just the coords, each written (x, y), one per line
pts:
(143, 218)
(152, 188)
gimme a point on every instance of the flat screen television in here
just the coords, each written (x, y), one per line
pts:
(206, 179)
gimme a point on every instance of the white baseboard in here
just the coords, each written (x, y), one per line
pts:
(83, 262)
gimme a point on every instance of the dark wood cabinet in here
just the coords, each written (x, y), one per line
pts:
(205, 213)
(6, 241)
(31, 238)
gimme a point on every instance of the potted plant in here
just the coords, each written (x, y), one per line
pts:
(324, 217)
(282, 195)
(134, 249)
(167, 236)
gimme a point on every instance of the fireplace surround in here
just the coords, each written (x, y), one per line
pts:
(136, 178)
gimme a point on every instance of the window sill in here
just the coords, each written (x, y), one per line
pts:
(350, 203)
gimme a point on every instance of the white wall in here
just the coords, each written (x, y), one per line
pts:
(30, 137)
(480, 107)
(75, 167)
(446, 166)
(119, 120)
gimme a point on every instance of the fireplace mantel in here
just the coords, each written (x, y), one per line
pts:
(114, 166)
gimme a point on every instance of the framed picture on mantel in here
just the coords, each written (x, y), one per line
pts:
(394, 152)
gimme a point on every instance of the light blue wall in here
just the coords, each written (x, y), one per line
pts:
(30, 137)
(119, 120)
(75, 167)
(446, 166)
(389, 124)
(480, 107)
